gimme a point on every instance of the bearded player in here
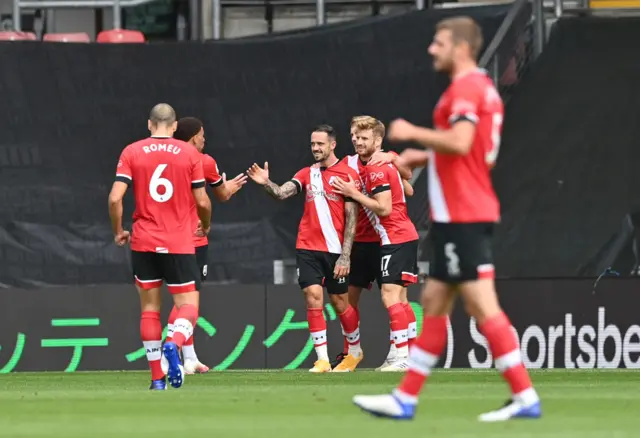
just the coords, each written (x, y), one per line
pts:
(384, 204)
(367, 134)
(464, 209)
(325, 239)
(191, 130)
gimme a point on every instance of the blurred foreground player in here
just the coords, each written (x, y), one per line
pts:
(191, 130)
(464, 209)
(325, 238)
(167, 177)
(367, 134)
(384, 202)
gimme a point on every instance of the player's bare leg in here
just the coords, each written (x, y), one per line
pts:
(413, 331)
(354, 293)
(437, 300)
(314, 298)
(392, 300)
(481, 303)
(192, 364)
(151, 334)
(187, 304)
(349, 319)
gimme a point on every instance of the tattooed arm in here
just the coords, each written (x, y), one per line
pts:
(350, 218)
(284, 191)
(261, 176)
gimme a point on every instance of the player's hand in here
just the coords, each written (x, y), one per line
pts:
(345, 188)
(258, 174)
(414, 157)
(400, 130)
(381, 158)
(202, 232)
(343, 265)
(122, 238)
(235, 184)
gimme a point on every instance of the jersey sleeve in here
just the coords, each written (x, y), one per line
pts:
(465, 102)
(123, 171)
(378, 180)
(301, 178)
(211, 172)
(197, 174)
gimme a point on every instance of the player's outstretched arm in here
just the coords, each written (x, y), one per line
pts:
(203, 206)
(261, 176)
(343, 264)
(227, 189)
(456, 140)
(118, 191)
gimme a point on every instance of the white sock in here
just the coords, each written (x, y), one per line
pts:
(402, 352)
(320, 344)
(153, 350)
(189, 352)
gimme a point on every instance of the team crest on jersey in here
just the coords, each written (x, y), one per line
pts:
(331, 180)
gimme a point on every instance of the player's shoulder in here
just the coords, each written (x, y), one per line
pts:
(476, 82)
(207, 159)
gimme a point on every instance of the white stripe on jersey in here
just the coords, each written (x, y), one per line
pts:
(324, 216)
(439, 209)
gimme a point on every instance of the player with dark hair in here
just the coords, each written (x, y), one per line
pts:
(167, 179)
(325, 238)
(464, 209)
(384, 203)
(191, 130)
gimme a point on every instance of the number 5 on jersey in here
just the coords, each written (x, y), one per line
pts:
(156, 182)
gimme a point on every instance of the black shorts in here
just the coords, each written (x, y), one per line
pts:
(180, 271)
(365, 264)
(202, 257)
(316, 267)
(462, 252)
(399, 263)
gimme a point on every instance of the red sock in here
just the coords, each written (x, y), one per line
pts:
(506, 352)
(184, 323)
(318, 329)
(151, 334)
(424, 355)
(172, 318)
(399, 325)
(350, 326)
(413, 326)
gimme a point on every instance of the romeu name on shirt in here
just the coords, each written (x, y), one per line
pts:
(163, 172)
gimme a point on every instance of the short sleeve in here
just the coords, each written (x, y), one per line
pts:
(301, 179)
(123, 171)
(378, 180)
(466, 98)
(211, 172)
(197, 174)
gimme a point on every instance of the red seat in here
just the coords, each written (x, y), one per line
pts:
(17, 36)
(79, 37)
(120, 36)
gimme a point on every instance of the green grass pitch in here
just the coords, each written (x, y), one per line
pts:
(295, 404)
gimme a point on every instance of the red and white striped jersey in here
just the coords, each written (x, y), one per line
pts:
(213, 178)
(322, 224)
(460, 188)
(366, 218)
(397, 227)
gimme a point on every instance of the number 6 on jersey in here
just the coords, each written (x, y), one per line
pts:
(156, 182)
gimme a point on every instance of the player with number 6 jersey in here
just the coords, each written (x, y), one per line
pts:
(167, 177)
(464, 208)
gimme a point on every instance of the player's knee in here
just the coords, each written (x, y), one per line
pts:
(480, 300)
(354, 295)
(391, 294)
(187, 298)
(339, 302)
(313, 296)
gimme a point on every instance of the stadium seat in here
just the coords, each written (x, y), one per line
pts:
(121, 36)
(17, 36)
(79, 37)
